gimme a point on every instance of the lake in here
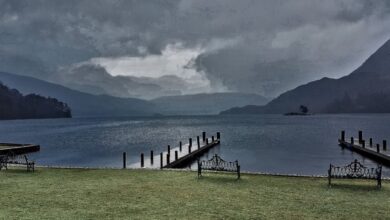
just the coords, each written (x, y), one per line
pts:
(261, 143)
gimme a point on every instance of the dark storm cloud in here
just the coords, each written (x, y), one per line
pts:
(250, 46)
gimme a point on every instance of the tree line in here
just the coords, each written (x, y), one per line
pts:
(14, 105)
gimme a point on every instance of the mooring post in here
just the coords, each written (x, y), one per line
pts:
(343, 135)
(377, 148)
(168, 157)
(142, 160)
(363, 143)
(207, 141)
(124, 160)
(218, 135)
(204, 136)
(161, 160)
(180, 146)
(212, 138)
(352, 140)
(190, 141)
(370, 142)
(176, 155)
(169, 149)
(384, 145)
(360, 136)
(189, 149)
(151, 157)
(197, 141)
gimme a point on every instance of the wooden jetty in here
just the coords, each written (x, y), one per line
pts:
(181, 155)
(17, 149)
(186, 159)
(374, 151)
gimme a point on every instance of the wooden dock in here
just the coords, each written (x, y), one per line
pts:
(194, 155)
(366, 148)
(17, 149)
(178, 156)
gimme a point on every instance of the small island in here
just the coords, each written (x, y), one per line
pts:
(303, 111)
(14, 105)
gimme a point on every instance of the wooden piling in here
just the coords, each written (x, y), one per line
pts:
(197, 141)
(363, 143)
(384, 145)
(218, 136)
(370, 142)
(190, 141)
(189, 149)
(168, 158)
(151, 157)
(176, 155)
(377, 148)
(352, 140)
(204, 136)
(180, 146)
(212, 138)
(161, 161)
(207, 141)
(142, 160)
(124, 160)
(169, 149)
(360, 136)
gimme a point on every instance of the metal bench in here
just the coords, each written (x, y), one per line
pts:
(3, 161)
(355, 170)
(216, 163)
(18, 160)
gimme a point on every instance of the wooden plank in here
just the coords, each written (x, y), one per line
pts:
(7, 148)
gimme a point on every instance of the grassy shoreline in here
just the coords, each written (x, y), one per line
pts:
(51, 193)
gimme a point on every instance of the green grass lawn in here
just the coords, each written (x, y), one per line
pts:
(145, 194)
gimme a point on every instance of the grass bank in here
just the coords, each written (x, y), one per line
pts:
(145, 194)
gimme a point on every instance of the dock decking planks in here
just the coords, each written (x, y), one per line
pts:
(383, 156)
(7, 148)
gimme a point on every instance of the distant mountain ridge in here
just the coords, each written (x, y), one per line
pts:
(365, 90)
(85, 104)
(205, 103)
(82, 104)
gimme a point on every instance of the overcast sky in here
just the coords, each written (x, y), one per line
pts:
(263, 47)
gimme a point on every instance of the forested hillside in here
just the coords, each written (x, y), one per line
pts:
(14, 105)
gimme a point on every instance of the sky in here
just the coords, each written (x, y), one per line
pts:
(147, 49)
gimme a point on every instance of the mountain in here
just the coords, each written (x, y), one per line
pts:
(205, 103)
(365, 90)
(94, 79)
(13, 105)
(82, 104)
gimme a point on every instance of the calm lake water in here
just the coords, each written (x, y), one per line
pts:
(263, 143)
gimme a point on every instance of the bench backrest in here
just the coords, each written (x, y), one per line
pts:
(217, 163)
(355, 170)
(3, 158)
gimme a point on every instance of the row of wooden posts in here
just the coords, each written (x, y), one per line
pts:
(204, 138)
(362, 142)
